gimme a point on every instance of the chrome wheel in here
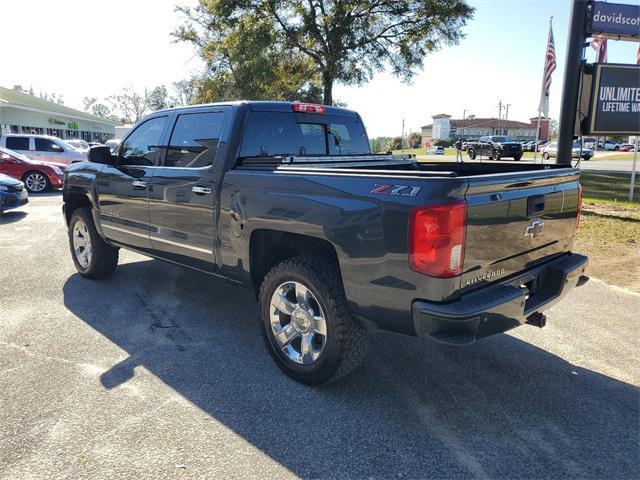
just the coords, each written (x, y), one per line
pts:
(82, 243)
(298, 323)
(35, 182)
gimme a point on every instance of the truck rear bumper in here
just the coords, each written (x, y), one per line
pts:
(500, 306)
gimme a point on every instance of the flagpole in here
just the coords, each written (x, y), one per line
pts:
(544, 72)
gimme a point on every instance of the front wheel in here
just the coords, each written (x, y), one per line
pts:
(495, 155)
(306, 323)
(36, 182)
(92, 256)
(517, 157)
(545, 156)
(472, 154)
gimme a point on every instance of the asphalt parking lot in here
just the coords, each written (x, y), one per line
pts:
(160, 372)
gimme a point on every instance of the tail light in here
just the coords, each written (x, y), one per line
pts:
(308, 107)
(579, 206)
(436, 239)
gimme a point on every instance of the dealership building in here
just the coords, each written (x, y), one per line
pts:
(446, 128)
(23, 113)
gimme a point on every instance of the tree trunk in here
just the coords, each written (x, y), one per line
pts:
(327, 83)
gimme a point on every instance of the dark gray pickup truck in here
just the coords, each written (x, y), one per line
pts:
(336, 241)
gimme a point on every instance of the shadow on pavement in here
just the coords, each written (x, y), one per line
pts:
(500, 409)
(48, 193)
(12, 216)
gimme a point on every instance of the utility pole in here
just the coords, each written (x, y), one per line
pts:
(571, 86)
(506, 118)
(499, 111)
(464, 115)
(402, 136)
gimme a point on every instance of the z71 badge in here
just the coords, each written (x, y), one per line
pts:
(404, 190)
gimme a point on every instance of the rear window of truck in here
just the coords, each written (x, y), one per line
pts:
(281, 133)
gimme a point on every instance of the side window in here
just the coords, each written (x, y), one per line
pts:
(46, 145)
(18, 143)
(194, 140)
(140, 147)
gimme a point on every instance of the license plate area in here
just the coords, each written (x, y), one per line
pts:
(546, 285)
(542, 285)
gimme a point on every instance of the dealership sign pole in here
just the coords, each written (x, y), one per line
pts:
(605, 97)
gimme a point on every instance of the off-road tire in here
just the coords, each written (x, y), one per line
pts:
(346, 342)
(104, 258)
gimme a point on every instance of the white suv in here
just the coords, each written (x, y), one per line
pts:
(43, 148)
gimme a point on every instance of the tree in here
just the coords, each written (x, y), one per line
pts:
(131, 105)
(414, 139)
(344, 41)
(88, 102)
(51, 97)
(158, 98)
(379, 144)
(245, 58)
(100, 110)
(184, 93)
(554, 128)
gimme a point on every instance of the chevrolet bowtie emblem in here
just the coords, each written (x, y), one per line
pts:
(534, 228)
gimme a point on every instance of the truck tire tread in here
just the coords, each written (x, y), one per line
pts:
(351, 339)
(104, 257)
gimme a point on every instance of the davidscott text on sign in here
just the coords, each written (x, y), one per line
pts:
(615, 19)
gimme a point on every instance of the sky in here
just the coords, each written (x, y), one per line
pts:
(90, 48)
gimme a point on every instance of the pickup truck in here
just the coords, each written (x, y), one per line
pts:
(336, 241)
(495, 147)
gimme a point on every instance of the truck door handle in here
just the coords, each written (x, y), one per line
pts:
(200, 190)
(139, 184)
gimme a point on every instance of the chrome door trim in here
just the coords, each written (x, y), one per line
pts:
(124, 230)
(182, 245)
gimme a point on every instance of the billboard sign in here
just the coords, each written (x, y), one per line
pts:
(615, 100)
(615, 20)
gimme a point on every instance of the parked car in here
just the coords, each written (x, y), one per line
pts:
(495, 147)
(12, 193)
(609, 145)
(77, 144)
(37, 176)
(540, 145)
(589, 143)
(113, 143)
(628, 147)
(550, 150)
(43, 148)
(436, 150)
(533, 145)
(283, 197)
(96, 144)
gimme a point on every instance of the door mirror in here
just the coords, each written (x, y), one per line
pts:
(102, 155)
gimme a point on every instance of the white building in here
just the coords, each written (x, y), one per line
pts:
(23, 113)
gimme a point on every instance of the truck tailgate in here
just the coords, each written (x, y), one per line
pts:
(517, 220)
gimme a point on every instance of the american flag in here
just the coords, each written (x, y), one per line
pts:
(600, 46)
(550, 62)
(549, 68)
